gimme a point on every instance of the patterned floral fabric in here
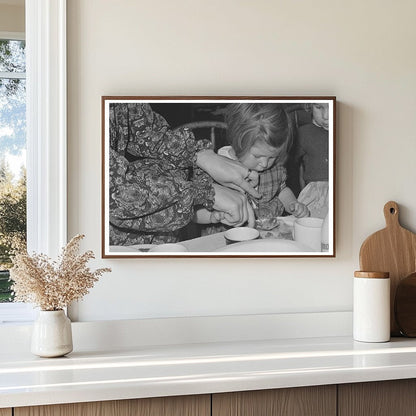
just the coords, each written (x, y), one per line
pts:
(154, 182)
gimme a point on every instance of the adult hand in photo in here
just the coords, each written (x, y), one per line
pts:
(228, 172)
(234, 205)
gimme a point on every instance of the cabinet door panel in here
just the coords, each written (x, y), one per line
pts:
(381, 398)
(300, 401)
(163, 406)
(5, 412)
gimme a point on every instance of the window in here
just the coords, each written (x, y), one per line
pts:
(12, 153)
(46, 135)
(12, 165)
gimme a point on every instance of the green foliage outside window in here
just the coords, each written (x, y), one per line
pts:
(6, 294)
(12, 145)
(12, 224)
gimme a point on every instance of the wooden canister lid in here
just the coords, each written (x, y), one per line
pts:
(372, 275)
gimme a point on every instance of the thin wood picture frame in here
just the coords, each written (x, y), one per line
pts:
(181, 174)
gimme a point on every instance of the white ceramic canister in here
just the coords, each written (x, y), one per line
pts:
(371, 309)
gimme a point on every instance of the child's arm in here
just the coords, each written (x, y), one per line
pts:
(291, 204)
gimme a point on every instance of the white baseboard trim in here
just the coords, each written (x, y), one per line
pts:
(126, 334)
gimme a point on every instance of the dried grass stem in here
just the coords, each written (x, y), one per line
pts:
(53, 285)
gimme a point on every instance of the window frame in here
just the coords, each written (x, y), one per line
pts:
(46, 121)
(10, 312)
(46, 125)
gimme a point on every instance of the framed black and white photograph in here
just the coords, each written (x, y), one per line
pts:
(218, 177)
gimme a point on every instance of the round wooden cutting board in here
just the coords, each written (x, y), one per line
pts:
(392, 250)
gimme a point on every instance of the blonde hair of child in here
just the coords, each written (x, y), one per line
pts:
(248, 123)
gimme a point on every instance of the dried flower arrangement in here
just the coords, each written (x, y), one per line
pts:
(53, 285)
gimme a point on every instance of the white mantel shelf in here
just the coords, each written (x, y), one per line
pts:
(166, 370)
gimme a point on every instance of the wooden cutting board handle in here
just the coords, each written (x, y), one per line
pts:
(391, 214)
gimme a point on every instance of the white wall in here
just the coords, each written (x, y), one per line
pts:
(363, 52)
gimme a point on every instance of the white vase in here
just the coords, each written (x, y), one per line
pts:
(52, 334)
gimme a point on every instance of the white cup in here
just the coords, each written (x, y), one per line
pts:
(239, 234)
(169, 248)
(307, 231)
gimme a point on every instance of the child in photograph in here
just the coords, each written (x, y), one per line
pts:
(313, 142)
(260, 135)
